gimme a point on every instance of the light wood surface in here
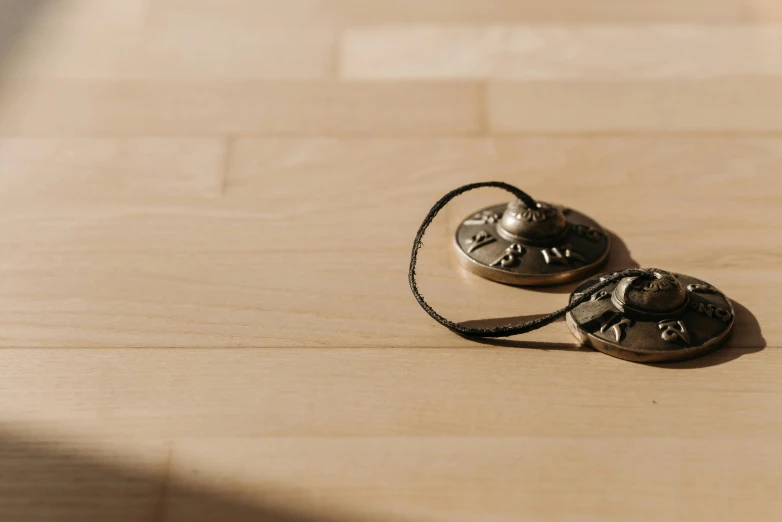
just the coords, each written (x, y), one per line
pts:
(206, 215)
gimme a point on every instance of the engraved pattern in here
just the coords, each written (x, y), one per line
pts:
(666, 282)
(701, 289)
(670, 332)
(618, 325)
(486, 217)
(485, 234)
(691, 327)
(563, 255)
(520, 212)
(712, 311)
(511, 257)
(592, 234)
(480, 239)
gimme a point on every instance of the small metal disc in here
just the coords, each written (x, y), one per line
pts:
(524, 246)
(669, 318)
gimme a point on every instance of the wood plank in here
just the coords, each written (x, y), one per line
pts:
(50, 477)
(763, 10)
(90, 169)
(729, 169)
(205, 233)
(709, 105)
(67, 108)
(472, 391)
(105, 53)
(504, 478)
(257, 13)
(151, 272)
(560, 52)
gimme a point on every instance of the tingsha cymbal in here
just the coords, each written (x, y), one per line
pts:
(518, 245)
(669, 318)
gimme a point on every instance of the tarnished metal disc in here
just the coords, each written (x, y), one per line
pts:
(669, 318)
(524, 246)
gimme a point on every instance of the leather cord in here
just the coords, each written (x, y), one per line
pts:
(508, 329)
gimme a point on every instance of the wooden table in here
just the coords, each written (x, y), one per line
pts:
(206, 215)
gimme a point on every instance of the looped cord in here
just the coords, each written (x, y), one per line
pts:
(508, 329)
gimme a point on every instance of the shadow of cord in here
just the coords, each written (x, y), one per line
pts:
(746, 338)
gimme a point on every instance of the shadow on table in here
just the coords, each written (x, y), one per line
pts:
(44, 480)
(746, 338)
(519, 343)
(15, 16)
(619, 259)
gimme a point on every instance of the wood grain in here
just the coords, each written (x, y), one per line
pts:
(105, 169)
(164, 108)
(475, 391)
(549, 52)
(108, 53)
(206, 215)
(710, 105)
(457, 479)
(342, 13)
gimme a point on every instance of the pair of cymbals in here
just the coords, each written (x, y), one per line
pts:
(664, 318)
